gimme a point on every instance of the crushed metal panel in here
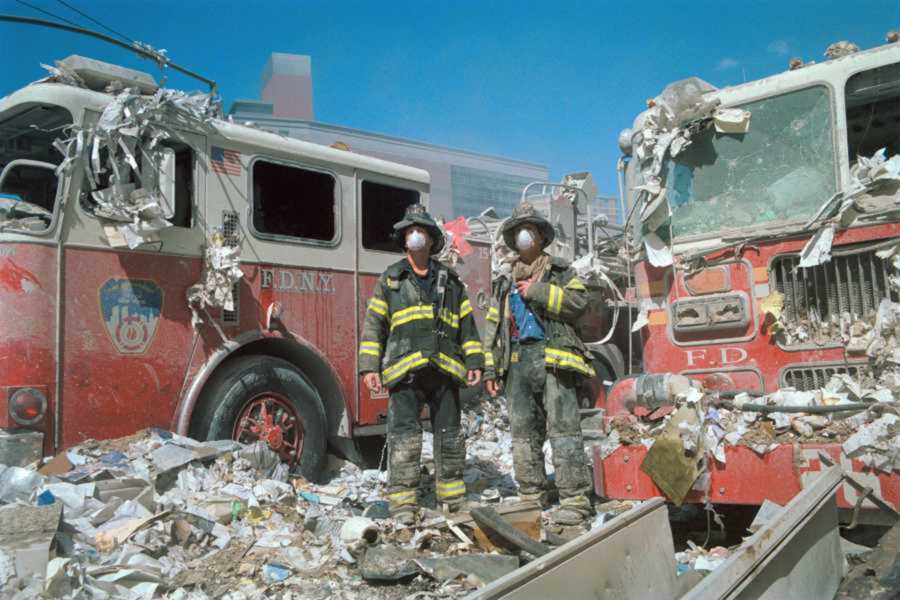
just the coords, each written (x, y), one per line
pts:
(631, 557)
(796, 554)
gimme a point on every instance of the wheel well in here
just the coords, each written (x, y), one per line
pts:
(314, 368)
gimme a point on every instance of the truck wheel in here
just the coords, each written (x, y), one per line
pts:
(265, 398)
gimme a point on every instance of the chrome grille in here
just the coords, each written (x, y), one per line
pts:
(814, 378)
(853, 282)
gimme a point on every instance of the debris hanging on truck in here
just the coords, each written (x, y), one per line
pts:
(122, 158)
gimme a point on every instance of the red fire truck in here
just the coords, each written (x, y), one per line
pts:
(97, 341)
(741, 206)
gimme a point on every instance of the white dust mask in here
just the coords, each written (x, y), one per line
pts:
(415, 240)
(524, 240)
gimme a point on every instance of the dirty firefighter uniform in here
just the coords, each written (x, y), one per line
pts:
(423, 353)
(541, 381)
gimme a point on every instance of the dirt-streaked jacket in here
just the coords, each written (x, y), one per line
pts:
(404, 331)
(557, 300)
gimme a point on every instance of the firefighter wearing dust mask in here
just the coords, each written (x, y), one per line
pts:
(530, 342)
(420, 342)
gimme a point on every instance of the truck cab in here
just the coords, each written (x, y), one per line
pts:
(764, 250)
(161, 266)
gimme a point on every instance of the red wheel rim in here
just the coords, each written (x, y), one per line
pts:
(272, 418)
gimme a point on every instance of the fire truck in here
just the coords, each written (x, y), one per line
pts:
(97, 340)
(742, 209)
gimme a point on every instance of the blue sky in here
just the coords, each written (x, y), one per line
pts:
(550, 82)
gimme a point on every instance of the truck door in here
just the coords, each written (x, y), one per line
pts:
(31, 195)
(127, 326)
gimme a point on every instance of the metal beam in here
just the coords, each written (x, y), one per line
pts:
(796, 555)
(631, 557)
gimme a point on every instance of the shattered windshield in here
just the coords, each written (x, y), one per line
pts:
(28, 192)
(782, 169)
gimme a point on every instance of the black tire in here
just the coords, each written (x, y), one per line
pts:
(242, 379)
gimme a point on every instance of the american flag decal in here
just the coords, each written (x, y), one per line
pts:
(225, 161)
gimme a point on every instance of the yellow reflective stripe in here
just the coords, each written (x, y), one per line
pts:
(554, 303)
(451, 488)
(402, 367)
(378, 306)
(403, 494)
(410, 310)
(402, 498)
(451, 485)
(413, 313)
(451, 319)
(575, 284)
(561, 358)
(452, 366)
(489, 359)
(493, 314)
(473, 347)
(370, 348)
(464, 309)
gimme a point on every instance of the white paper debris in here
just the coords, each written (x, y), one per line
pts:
(658, 253)
(818, 249)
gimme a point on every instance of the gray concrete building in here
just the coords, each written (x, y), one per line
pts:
(462, 182)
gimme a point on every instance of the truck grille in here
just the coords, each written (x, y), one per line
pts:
(813, 378)
(853, 282)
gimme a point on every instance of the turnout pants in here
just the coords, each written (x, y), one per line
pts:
(543, 404)
(440, 393)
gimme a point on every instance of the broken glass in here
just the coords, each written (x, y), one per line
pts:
(782, 169)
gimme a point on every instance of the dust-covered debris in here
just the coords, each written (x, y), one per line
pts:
(157, 514)
(863, 419)
(664, 130)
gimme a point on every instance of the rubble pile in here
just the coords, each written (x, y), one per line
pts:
(156, 514)
(863, 420)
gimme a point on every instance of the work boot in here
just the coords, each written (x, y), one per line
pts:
(405, 515)
(572, 511)
(403, 505)
(539, 497)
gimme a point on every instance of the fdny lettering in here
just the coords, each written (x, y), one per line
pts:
(7, 251)
(284, 280)
(727, 356)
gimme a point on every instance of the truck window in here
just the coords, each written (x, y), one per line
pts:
(782, 169)
(873, 112)
(382, 206)
(184, 187)
(180, 184)
(28, 197)
(296, 203)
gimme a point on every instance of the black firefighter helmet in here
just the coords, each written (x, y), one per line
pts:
(417, 215)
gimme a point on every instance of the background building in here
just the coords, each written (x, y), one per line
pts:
(462, 182)
(609, 206)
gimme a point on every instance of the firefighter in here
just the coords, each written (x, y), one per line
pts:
(530, 342)
(419, 341)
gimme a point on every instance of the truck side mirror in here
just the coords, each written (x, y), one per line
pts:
(158, 167)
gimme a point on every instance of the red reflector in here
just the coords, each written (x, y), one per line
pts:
(27, 406)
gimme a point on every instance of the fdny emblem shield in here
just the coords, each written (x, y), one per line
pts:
(131, 310)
